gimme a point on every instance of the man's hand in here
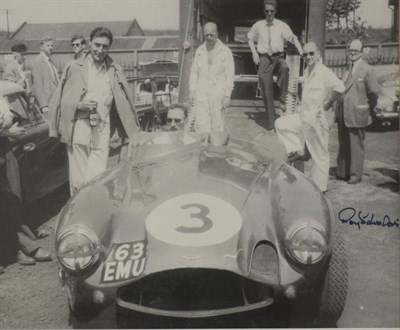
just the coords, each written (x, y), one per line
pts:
(15, 130)
(45, 109)
(191, 98)
(256, 58)
(226, 102)
(86, 105)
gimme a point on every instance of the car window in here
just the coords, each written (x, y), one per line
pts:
(18, 106)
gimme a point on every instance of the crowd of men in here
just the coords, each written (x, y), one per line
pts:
(91, 101)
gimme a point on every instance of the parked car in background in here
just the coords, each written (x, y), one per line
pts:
(42, 160)
(152, 97)
(386, 112)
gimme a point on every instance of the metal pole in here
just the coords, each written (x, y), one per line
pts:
(135, 73)
(8, 26)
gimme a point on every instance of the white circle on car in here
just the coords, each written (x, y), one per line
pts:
(194, 220)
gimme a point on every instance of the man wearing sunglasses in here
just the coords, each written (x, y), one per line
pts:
(78, 44)
(270, 35)
(311, 124)
(353, 115)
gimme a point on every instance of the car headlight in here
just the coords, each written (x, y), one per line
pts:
(78, 249)
(306, 244)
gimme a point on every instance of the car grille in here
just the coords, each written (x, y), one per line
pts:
(190, 289)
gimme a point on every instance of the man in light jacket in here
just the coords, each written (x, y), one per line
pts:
(44, 75)
(91, 101)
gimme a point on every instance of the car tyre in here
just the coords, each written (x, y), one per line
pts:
(79, 303)
(324, 305)
(335, 285)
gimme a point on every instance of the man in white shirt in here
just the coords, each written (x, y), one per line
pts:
(270, 35)
(311, 124)
(211, 82)
(91, 101)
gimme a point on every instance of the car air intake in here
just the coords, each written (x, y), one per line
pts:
(264, 265)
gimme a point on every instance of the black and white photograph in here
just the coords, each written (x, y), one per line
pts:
(177, 164)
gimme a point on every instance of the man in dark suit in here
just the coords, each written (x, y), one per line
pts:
(13, 71)
(353, 114)
(44, 75)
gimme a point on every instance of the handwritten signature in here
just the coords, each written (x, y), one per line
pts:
(351, 216)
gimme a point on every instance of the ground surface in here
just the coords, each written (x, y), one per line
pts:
(31, 297)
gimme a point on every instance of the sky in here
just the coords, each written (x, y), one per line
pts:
(151, 14)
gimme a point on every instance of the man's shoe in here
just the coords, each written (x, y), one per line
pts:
(42, 255)
(25, 260)
(341, 178)
(354, 180)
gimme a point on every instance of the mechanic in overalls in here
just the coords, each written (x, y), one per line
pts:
(311, 124)
(211, 82)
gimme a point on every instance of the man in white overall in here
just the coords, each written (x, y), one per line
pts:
(211, 82)
(311, 124)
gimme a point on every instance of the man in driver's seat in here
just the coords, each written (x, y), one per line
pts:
(176, 117)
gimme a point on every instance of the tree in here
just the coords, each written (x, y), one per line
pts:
(339, 10)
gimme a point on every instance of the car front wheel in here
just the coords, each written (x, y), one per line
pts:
(324, 305)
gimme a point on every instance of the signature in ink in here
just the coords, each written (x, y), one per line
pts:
(351, 216)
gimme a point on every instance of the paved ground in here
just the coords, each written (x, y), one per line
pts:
(31, 297)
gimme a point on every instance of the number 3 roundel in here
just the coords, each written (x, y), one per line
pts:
(194, 220)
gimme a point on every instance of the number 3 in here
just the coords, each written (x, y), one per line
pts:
(202, 215)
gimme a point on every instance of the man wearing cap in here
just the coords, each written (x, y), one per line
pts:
(353, 114)
(13, 71)
(270, 35)
(44, 75)
(311, 124)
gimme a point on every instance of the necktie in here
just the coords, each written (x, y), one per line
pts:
(54, 70)
(350, 75)
(269, 51)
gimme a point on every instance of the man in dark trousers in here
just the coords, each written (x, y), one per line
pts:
(270, 35)
(353, 114)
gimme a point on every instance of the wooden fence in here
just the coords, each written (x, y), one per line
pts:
(336, 58)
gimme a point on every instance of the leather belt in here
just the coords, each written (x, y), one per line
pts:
(273, 54)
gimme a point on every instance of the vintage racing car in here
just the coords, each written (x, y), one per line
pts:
(42, 160)
(154, 234)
